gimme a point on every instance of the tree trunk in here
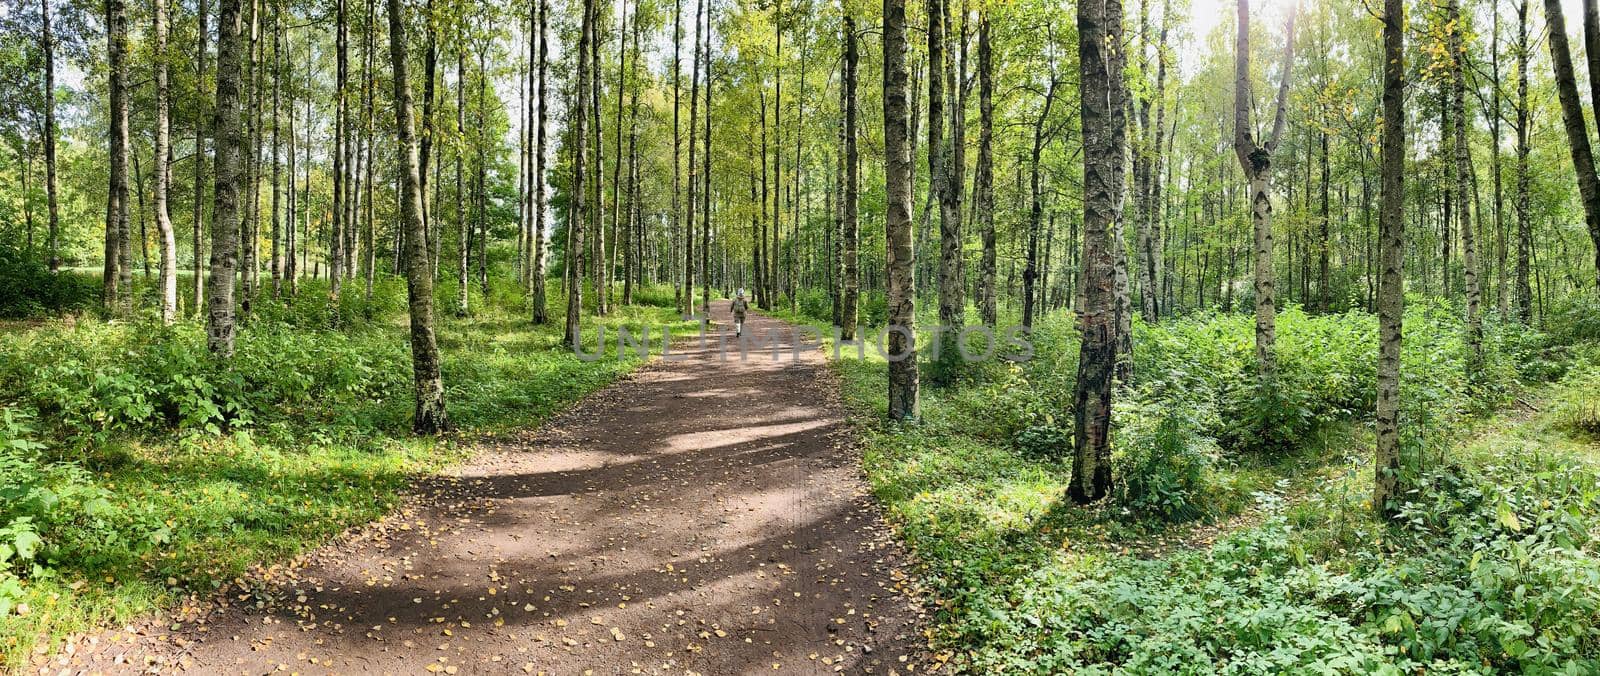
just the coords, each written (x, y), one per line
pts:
(539, 299)
(901, 350)
(340, 140)
(1523, 201)
(1463, 170)
(777, 152)
(1030, 269)
(983, 179)
(1572, 110)
(277, 168)
(1150, 251)
(598, 265)
(1494, 115)
(579, 210)
(291, 215)
(426, 160)
(705, 189)
(1391, 281)
(677, 145)
(118, 275)
(849, 234)
(429, 415)
(1256, 161)
(694, 143)
(631, 247)
(1324, 245)
(1099, 25)
(228, 186)
(370, 47)
(202, 116)
(952, 269)
(463, 229)
(163, 153)
(482, 176)
(47, 38)
(251, 181)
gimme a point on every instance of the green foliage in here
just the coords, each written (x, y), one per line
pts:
(660, 295)
(1579, 412)
(36, 493)
(129, 457)
(1574, 318)
(1041, 442)
(29, 290)
(1165, 470)
(816, 304)
(312, 307)
(97, 381)
(1492, 568)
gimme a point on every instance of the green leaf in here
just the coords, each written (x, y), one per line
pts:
(1508, 517)
(26, 543)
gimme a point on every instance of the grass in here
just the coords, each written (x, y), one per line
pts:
(192, 510)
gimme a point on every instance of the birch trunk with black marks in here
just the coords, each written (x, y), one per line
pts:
(1463, 171)
(1256, 161)
(897, 218)
(202, 118)
(228, 184)
(1572, 109)
(983, 178)
(1523, 200)
(47, 40)
(163, 155)
(849, 233)
(429, 413)
(540, 313)
(1099, 28)
(579, 209)
(118, 274)
(1391, 264)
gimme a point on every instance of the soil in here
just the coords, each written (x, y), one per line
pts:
(699, 516)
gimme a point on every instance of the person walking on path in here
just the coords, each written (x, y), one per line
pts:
(740, 306)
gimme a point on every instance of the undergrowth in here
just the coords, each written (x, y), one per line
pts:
(1491, 568)
(135, 470)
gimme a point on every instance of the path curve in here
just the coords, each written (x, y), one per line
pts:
(698, 516)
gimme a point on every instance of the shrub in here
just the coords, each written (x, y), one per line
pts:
(816, 304)
(1165, 469)
(28, 289)
(1043, 442)
(96, 381)
(37, 497)
(655, 295)
(1574, 318)
(311, 307)
(1579, 410)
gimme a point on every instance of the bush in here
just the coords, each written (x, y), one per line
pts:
(1579, 411)
(1574, 318)
(28, 289)
(654, 295)
(816, 304)
(1165, 470)
(1494, 576)
(37, 498)
(1043, 442)
(96, 381)
(311, 307)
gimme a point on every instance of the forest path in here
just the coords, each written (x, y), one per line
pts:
(699, 516)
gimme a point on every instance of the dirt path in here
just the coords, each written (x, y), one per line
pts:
(699, 516)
